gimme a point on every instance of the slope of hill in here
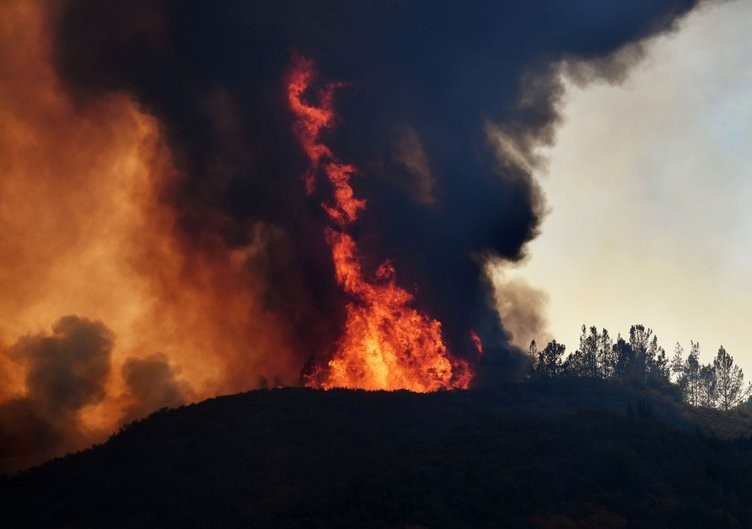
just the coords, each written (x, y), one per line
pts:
(555, 454)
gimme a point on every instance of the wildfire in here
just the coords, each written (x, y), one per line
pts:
(386, 343)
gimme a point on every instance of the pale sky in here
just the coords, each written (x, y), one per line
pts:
(651, 197)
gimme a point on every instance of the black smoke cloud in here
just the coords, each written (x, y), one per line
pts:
(66, 371)
(152, 384)
(424, 82)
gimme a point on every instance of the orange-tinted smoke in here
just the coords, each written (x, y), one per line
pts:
(386, 343)
(85, 230)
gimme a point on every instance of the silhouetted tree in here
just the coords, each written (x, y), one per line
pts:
(707, 389)
(690, 383)
(644, 349)
(624, 359)
(657, 362)
(677, 361)
(639, 337)
(729, 381)
(642, 361)
(533, 353)
(605, 355)
(584, 361)
(549, 361)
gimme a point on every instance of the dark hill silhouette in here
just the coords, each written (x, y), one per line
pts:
(559, 453)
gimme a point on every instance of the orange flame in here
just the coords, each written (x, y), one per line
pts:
(386, 344)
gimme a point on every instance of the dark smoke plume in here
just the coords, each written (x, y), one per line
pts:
(152, 384)
(66, 371)
(426, 83)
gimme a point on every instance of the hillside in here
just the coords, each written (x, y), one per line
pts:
(548, 454)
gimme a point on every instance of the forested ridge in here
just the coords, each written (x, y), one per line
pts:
(544, 452)
(639, 360)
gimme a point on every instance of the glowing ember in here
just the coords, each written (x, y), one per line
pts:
(476, 341)
(386, 344)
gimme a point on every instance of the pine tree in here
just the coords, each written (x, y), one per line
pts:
(729, 381)
(605, 355)
(641, 340)
(624, 359)
(707, 388)
(589, 349)
(677, 361)
(584, 361)
(549, 362)
(533, 354)
(690, 382)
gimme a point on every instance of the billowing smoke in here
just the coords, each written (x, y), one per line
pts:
(152, 180)
(152, 384)
(66, 373)
(424, 87)
(66, 370)
(519, 306)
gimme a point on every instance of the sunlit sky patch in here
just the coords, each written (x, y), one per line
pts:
(650, 195)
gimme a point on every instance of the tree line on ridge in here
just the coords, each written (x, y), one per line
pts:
(640, 360)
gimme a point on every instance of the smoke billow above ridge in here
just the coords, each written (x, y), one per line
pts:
(66, 371)
(422, 84)
(440, 107)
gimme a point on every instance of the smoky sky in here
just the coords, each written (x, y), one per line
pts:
(422, 82)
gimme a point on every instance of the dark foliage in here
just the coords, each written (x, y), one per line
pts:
(642, 362)
(543, 454)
